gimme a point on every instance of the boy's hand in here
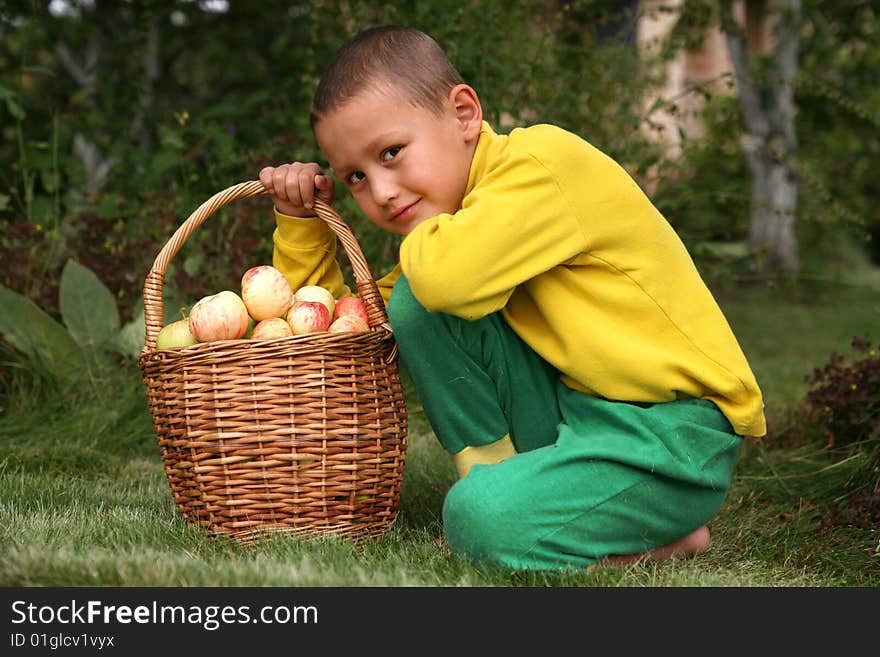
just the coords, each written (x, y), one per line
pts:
(293, 187)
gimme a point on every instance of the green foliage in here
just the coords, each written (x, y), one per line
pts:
(838, 113)
(838, 118)
(87, 307)
(179, 118)
(119, 119)
(46, 344)
(77, 350)
(705, 195)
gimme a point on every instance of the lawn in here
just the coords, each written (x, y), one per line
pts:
(84, 500)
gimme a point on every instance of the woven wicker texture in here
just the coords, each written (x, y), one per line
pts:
(305, 434)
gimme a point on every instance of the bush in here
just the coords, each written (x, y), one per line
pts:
(843, 403)
(835, 430)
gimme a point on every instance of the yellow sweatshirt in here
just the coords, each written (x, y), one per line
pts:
(561, 240)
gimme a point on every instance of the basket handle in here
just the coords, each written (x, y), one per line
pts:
(153, 305)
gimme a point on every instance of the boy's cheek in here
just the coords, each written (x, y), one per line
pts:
(376, 218)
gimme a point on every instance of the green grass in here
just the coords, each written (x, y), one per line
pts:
(84, 501)
(785, 338)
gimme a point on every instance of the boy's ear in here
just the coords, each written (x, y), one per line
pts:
(468, 110)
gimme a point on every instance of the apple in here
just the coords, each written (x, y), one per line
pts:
(274, 327)
(316, 293)
(350, 306)
(349, 324)
(308, 317)
(175, 334)
(221, 316)
(266, 292)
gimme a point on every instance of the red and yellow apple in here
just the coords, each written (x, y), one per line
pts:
(265, 292)
(308, 317)
(316, 293)
(221, 316)
(350, 306)
(349, 324)
(273, 327)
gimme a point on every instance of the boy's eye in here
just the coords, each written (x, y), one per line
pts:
(355, 177)
(390, 153)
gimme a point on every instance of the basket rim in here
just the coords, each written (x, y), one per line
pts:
(154, 282)
(296, 344)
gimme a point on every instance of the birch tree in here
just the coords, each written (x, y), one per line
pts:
(770, 142)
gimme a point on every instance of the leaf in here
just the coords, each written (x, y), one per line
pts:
(87, 307)
(15, 109)
(108, 206)
(35, 334)
(50, 180)
(34, 68)
(193, 264)
(657, 104)
(162, 162)
(131, 338)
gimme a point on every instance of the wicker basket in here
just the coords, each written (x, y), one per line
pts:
(305, 434)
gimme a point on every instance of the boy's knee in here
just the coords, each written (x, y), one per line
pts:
(474, 526)
(463, 520)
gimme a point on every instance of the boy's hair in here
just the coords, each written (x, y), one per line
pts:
(405, 58)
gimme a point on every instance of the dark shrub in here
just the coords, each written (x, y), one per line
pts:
(843, 403)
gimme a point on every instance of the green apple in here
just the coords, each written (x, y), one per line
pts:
(175, 334)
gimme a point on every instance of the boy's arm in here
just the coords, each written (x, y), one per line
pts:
(305, 252)
(509, 230)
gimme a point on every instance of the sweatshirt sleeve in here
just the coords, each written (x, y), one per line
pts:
(305, 252)
(515, 224)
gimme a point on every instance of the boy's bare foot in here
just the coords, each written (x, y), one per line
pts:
(691, 545)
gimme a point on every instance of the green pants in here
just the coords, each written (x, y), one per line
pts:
(591, 477)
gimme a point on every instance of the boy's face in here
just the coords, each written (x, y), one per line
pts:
(403, 164)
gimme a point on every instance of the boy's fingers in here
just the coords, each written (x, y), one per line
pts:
(279, 183)
(266, 178)
(324, 185)
(294, 184)
(306, 186)
(323, 182)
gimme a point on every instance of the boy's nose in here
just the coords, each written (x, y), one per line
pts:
(384, 191)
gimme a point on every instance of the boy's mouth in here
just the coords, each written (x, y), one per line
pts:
(405, 213)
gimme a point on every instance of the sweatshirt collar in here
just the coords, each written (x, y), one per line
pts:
(489, 144)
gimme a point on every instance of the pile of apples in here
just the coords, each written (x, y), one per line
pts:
(267, 308)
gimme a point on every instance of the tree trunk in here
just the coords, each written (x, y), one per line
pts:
(770, 142)
(774, 193)
(139, 129)
(95, 165)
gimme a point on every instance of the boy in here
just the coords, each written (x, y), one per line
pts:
(567, 353)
